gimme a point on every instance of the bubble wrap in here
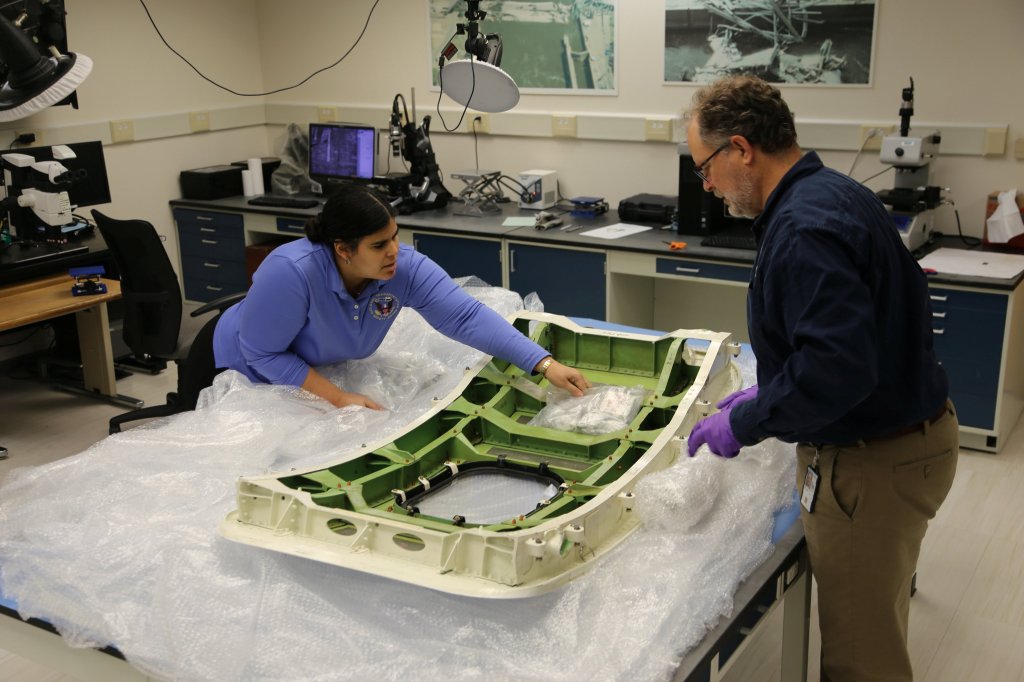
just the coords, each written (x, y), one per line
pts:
(119, 545)
(602, 410)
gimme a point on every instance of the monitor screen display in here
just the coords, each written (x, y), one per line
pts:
(339, 151)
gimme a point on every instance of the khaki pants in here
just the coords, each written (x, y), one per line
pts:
(864, 537)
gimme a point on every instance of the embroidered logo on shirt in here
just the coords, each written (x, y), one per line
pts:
(383, 305)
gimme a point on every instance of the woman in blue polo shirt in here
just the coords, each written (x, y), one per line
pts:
(335, 294)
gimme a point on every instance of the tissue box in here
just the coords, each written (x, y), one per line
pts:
(990, 208)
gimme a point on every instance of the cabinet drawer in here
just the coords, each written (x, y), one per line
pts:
(461, 257)
(207, 241)
(227, 272)
(955, 302)
(187, 216)
(292, 226)
(197, 289)
(703, 269)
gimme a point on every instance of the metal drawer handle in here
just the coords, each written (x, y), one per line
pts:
(511, 260)
(207, 229)
(211, 265)
(204, 217)
(938, 332)
(210, 241)
(690, 270)
(939, 315)
(940, 299)
(210, 287)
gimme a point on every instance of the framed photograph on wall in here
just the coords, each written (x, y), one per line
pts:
(549, 46)
(808, 42)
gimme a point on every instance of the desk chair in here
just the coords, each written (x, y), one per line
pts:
(155, 325)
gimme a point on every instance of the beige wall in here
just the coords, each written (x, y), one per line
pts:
(136, 77)
(966, 63)
(256, 44)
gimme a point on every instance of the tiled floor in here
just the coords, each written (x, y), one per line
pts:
(967, 618)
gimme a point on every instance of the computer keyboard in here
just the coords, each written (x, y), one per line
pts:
(284, 201)
(730, 241)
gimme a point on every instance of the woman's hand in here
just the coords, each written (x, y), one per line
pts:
(568, 378)
(346, 399)
(318, 385)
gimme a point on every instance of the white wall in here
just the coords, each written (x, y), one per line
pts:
(135, 77)
(966, 62)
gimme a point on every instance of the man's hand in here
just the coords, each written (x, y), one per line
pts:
(734, 399)
(568, 378)
(716, 432)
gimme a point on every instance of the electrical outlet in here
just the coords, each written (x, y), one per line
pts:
(658, 129)
(325, 114)
(481, 123)
(122, 131)
(995, 142)
(875, 143)
(199, 121)
(563, 125)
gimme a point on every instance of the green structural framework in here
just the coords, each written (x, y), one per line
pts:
(471, 499)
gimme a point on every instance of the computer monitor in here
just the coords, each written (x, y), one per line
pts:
(341, 152)
(86, 185)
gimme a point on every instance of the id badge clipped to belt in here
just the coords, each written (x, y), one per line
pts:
(809, 495)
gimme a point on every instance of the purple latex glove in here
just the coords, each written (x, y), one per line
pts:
(738, 397)
(717, 433)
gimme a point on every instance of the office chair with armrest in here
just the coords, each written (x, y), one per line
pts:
(155, 325)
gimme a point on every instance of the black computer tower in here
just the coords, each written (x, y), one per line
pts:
(700, 213)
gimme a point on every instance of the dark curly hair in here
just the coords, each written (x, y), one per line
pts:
(350, 213)
(747, 106)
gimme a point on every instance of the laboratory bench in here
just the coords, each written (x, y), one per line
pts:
(634, 280)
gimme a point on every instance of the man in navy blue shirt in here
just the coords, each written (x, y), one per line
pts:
(840, 324)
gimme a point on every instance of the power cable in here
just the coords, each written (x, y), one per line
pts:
(269, 92)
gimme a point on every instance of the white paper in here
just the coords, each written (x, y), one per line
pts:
(256, 169)
(1005, 222)
(973, 263)
(247, 188)
(615, 231)
(519, 222)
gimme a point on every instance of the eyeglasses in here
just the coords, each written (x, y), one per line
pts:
(699, 169)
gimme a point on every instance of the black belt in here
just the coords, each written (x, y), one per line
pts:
(906, 430)
(915, 426)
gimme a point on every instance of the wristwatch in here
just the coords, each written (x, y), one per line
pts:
(543, 370)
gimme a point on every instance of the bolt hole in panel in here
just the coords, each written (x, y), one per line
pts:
(472, 476)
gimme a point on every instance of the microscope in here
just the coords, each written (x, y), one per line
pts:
(37, 200)
(421, 188)
(913, 199)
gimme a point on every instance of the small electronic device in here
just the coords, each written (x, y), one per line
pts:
(588, 207)
(341, 152)
(211, 182)
(87, 280)
(654, 208)
(540, 189)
